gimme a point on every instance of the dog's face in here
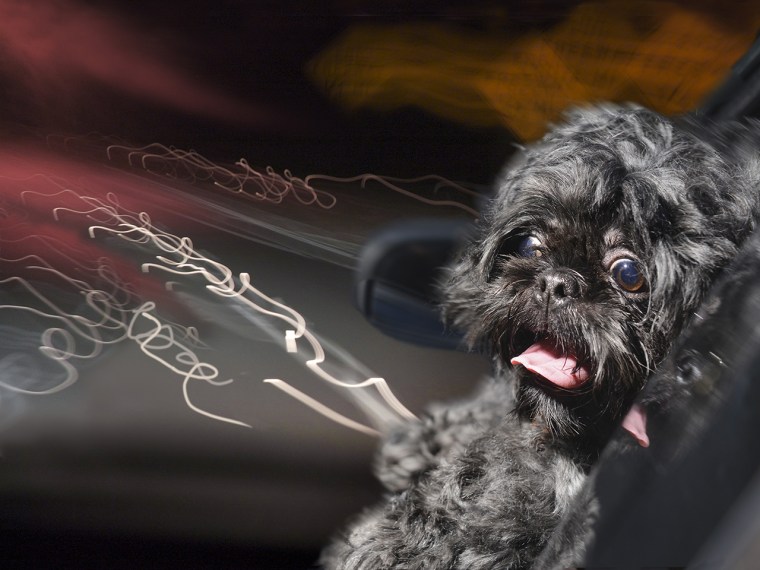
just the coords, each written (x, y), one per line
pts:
(596, 249)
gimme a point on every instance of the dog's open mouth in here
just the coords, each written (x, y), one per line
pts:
(563, 369)
(560, 368)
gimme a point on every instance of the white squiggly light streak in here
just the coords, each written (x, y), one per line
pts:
(117, 314)
(182, 259)
(154, 342)
(268, 185)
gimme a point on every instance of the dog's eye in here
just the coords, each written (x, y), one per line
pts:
(628, 275)
(528, 247)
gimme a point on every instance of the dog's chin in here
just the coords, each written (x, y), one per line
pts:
(554, 409)
(555, 385)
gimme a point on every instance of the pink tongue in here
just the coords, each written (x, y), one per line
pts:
(635, 423)
(544, 360)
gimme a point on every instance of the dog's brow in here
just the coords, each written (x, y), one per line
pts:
(614, 238)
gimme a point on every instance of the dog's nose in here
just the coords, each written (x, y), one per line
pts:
(557, 285)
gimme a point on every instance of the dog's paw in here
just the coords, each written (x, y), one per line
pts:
(412, 449)
(407, 452)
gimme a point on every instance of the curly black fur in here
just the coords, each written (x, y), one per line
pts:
(482, 483)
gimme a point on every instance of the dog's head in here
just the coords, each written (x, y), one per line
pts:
(595, 251)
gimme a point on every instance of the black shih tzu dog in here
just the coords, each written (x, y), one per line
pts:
(599, 245)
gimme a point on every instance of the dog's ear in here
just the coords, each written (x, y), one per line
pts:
(462, 290)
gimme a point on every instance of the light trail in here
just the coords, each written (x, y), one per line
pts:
(63, 224)
(269, 186)
(183, 260)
